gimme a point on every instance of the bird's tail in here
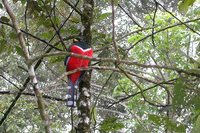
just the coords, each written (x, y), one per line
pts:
(71, 94)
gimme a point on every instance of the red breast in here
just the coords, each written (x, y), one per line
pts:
(75, 63)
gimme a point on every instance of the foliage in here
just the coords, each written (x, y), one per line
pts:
(110, 124)
(184, 5)
(161, 58)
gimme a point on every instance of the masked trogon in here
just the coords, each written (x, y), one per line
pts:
(79, 47)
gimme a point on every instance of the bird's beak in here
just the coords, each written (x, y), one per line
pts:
(75, 40)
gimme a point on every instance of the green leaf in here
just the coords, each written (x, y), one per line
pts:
(9, 49)
(3, 46)
(46, 35)
(2, 31)
(196, 128)
(56, 59)
(184, 5)
(44, 21)
(4, 19)
(1, 6)
(115, 1)
(104, 16)
(13, 35)
(179, 93)
(167, 122)
(74, 19)
(154, 118)
(111, 124)
(56, 20)
(23, 2)
(94, 113)
(195, 71)
(19, 51)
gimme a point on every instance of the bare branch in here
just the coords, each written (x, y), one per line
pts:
(113, 31)
(74, 7)
(154, 17)
(10, 82)
(177, 18)
(61, 26)
(32, 94)
(19, 33)
(127, 62)
(129, 16)
(132, 95)
(158, 31)
(55, 27)
(30, 71)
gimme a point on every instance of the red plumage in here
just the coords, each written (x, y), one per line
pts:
(73, 63)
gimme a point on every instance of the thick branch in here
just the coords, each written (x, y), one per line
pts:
(30, 70)
(18, 31)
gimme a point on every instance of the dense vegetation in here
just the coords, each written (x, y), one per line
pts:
(145, 70)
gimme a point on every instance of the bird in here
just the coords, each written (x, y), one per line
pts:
(79, 46)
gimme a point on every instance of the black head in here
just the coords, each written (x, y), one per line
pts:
(78, 39)
(81, 43)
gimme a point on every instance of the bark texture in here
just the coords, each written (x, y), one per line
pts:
(84, 97)
(30, 66)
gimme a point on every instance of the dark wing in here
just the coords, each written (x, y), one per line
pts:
(67, 56)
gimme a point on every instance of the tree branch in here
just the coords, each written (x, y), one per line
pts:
(55, 27)
(33, 94)
(127, 62)
(30, 71)
(113, 31)
(61, 26)
(158, 31)
(74, 7)
(154, 17)
(10, 82)
(177, 18)
(132, 95)
(129, 16)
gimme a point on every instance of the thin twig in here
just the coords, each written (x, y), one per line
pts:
(61, 26)
(10, 82)
(154, 17)
(25, 84)
(156, 64)
(55, 27)
(113, 31)
(177, 18)
(132, 95)
(102, 89)
(41, 40)
(33, 36)
(72, 120)
(74, 7)
(32, 94)
(129, 16)
(158, 31)
(116, 61)
(31, 71)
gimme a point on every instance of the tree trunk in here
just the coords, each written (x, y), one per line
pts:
(84, 97)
